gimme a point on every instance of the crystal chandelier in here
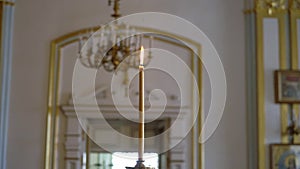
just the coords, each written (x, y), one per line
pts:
(114, 44)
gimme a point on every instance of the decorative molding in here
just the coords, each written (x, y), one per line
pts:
(295, 4)
(271, 4)
(74, 144)
(10, 3)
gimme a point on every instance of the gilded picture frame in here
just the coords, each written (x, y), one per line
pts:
(285, 156)
(287, 86)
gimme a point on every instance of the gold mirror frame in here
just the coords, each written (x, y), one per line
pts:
(53, 92)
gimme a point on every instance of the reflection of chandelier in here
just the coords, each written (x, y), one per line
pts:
(113, 44)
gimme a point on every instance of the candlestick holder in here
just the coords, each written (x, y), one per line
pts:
(140, 165)
(292, 131)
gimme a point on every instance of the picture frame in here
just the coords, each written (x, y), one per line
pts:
(287, 86)
(285, 156)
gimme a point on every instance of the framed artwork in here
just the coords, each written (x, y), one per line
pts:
(285, 156)
(287, 86)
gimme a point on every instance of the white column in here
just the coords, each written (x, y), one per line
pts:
(6, 27)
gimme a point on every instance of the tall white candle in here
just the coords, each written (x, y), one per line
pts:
(141, 107)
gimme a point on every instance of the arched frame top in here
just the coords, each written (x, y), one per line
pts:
(54, 81)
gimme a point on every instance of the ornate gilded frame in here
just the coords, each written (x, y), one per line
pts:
(294, 15)
(279, 151)
(53, 92)
(287, 13)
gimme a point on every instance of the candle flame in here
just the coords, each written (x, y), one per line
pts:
(142, 56)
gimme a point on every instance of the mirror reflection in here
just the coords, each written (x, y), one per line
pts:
(98, 123)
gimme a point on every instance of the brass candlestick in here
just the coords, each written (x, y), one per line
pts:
(139, 164)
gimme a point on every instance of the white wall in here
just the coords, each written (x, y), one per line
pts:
(37, 22)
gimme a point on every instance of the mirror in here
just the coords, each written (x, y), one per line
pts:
(78, 137)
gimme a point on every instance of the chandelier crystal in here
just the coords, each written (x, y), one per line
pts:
(112, 45)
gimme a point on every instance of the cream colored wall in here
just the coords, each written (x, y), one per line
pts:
(37, 22)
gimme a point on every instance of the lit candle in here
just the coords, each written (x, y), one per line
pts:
(141, 106)
(142, 57)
